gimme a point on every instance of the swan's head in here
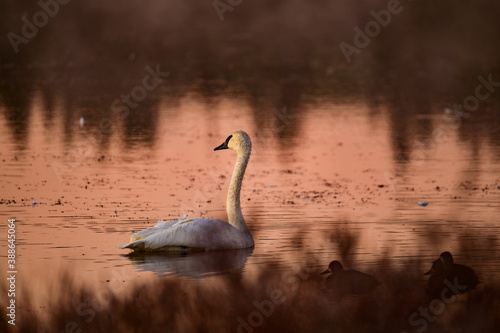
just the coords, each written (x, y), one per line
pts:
(239, 141)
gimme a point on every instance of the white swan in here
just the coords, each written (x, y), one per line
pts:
(195, 234)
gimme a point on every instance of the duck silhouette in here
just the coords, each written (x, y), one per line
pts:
(348, 282)
(447, 277)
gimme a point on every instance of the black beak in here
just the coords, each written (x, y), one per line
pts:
(327, 271)
(429, 272)
(224, 145)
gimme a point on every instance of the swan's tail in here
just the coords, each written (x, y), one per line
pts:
(136, 246)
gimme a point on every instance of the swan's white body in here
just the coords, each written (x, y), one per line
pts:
(191, 234)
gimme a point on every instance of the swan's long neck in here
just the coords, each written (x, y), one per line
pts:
(233, 195)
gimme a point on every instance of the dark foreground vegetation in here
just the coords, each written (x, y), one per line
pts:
(277, 300)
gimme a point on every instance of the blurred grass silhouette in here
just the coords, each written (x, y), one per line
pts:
(275, 300)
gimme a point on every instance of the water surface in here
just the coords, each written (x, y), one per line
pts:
(331, 189)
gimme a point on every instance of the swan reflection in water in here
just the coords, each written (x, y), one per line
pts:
(197, 265)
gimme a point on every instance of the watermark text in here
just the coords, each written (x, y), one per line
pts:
(11, 271)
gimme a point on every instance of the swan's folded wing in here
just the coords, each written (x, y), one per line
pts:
(199, 233)
(167, 235)
(160, 225)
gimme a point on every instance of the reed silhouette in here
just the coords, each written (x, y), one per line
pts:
(176, 304)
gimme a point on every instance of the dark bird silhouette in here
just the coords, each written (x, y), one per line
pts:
(447, 278)
(348, 282)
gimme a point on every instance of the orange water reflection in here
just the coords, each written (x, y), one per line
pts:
(329, 190)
